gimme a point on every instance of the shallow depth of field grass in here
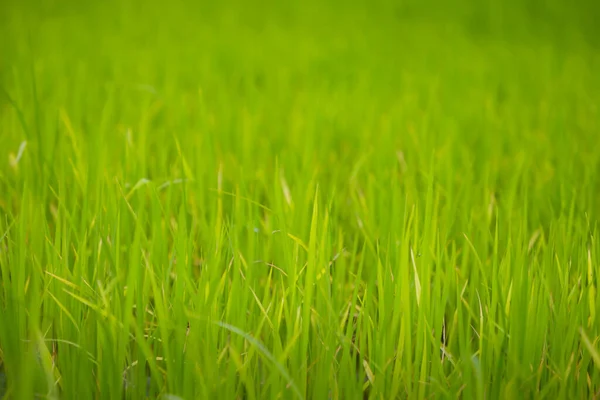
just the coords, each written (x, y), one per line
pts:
(273, 200)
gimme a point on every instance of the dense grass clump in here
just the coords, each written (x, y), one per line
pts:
(255, 200)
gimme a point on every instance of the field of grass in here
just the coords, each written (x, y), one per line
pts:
(303, 199)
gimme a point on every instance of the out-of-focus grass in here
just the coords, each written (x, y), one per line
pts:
(299, 199)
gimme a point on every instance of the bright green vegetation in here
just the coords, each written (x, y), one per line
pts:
(299, 200)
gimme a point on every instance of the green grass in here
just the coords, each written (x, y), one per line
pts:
(254, 200)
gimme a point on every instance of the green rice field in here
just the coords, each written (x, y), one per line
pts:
(299, 199)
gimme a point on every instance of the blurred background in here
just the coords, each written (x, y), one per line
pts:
(489, 87)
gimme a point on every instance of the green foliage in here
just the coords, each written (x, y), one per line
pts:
(248, 200)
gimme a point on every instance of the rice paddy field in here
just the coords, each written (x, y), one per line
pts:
(299, 200)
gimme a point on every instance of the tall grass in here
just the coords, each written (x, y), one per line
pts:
(299, 200)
